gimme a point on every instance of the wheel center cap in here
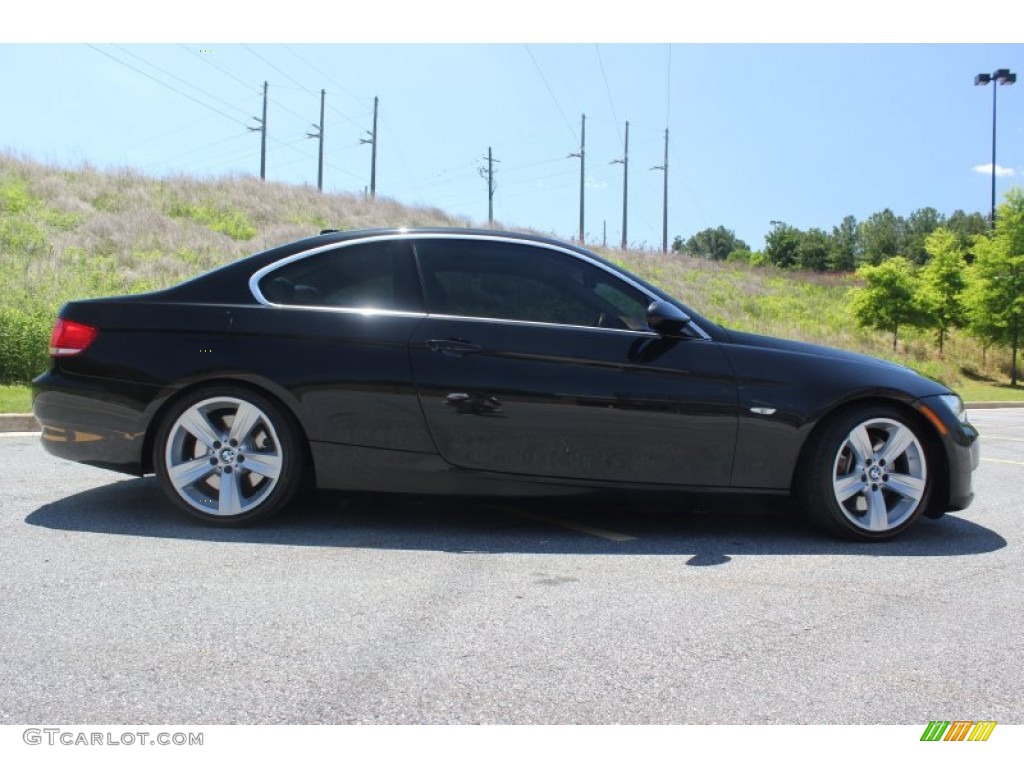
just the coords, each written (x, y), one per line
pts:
(227, 455)
(874, 473)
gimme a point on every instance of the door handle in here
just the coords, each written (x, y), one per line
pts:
(453, 347)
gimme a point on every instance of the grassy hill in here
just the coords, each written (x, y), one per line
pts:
(78, 233)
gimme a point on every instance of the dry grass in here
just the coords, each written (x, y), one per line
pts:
(82, 232)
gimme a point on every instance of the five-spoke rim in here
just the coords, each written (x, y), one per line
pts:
(223, 456)
(879, 475)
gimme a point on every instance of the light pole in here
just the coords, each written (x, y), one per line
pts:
(1000, 77)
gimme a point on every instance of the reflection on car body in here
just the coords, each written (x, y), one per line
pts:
(480, 405)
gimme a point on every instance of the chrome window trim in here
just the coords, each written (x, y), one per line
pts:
(542, 324)
(257, 276)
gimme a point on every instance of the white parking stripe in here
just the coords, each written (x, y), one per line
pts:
(20, 434)
(1003, 461)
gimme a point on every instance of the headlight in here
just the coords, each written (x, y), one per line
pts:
(956, 406)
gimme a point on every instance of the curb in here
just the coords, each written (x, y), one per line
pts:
(26, 422)
(18, 422)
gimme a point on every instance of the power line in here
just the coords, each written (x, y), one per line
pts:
(550, 92)
(607, 89)
(208, 61)
(404, 162)
(689, 188)
(230, 159)
(291, 112)
(534, 179)
(174, 76)
(302, 87)
(339, 169)
(323, 74)
(345, 117)
(668, 88)
(344, 148)
(178, 129)
(279, 70)
(550, 161)
(195, 150)
(165, 85)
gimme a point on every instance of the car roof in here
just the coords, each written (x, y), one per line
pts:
(334, 235)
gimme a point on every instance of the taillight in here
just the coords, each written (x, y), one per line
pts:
(70, 338)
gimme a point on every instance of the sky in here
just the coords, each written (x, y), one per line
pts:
(804, 133)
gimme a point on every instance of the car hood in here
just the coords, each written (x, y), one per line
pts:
(815, 350)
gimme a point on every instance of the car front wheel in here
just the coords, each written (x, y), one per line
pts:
(228, 456)
(867, 475)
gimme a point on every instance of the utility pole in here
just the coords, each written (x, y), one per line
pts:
(263, 130)
(624, 161)
(372, 141)
(320, 135)
(664, 209)
(582, 156)
(488, 173)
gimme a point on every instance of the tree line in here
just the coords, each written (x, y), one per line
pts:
(850, 244)
(925, 271)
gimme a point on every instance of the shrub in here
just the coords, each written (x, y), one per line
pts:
(23, 344)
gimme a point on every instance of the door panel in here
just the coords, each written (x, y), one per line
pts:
(572, 402)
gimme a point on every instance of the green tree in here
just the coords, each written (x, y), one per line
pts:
(882, 236)
(996, 294)
(919, 225)
(781, 245)
(812, 250)
(966, 227)
(844, 246)
(715, 244)
(888, 299)
(942, 283)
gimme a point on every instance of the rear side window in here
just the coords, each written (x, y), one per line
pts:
(510, 281)
(375, 275)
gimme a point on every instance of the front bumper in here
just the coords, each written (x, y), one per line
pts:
(963, 452)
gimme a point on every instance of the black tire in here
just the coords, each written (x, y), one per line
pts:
(198, 450)
(868, 475)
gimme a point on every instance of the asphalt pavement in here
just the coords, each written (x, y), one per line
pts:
(117, 609)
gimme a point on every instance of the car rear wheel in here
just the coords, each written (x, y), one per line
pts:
(228, 456)
(867, 475)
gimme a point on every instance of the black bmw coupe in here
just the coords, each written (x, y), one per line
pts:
(449, 361)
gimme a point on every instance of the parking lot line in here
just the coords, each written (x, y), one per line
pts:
(20, 434)
(572, 526)
(1002, 437)
(1003, 461)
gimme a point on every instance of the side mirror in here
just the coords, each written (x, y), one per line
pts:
(666, 319)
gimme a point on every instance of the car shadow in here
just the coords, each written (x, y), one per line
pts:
(600, 525)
